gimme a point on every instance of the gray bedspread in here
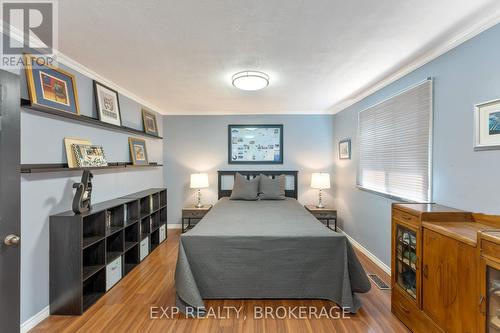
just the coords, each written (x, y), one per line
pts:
(266, 249)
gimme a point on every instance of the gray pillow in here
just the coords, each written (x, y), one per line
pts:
(244, 189)
(272, 189)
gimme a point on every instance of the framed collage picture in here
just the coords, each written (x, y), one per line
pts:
(255, 144)
(107, 104)
(487, 125)
(50, 87)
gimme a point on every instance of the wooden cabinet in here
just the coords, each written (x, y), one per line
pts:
(490, 282)
(435, 268)
(449, 284)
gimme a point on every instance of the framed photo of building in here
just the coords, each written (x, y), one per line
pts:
(487, 125)
(70, 153)
(50, 87)
(345, 149)
(255, 144)
(107, 104)
(89, 156)
(149, 122)
(138, 151)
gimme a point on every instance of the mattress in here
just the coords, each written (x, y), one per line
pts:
(265, 249)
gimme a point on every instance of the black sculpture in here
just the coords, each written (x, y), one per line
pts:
(83, 195)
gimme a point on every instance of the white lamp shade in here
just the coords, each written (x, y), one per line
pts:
(320, 180)
(199, 180)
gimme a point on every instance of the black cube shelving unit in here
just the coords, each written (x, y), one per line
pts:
(81, 246)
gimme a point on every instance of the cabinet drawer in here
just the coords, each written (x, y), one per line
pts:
(193, 215)
(404, 216)
(410, 315)
(490, 249)
(144, 248)
(113, 272)
(324, 215)
(163, 232)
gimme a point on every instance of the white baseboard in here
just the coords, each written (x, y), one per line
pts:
(35, 320)
(174, 226)
(367, 253)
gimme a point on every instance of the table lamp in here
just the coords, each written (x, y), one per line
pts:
(199, 181)
(321, 181)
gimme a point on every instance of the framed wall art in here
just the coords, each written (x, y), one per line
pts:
(345, 149)
(255, 144)
(487, 125)
(70, 153)
(149, 122)
(138, 151)
(89, 156)
(107, 104)
(51, 87)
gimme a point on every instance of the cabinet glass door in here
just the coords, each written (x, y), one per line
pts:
(493, 300)
(406, 260)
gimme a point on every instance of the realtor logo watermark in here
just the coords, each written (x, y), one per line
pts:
(29, 27)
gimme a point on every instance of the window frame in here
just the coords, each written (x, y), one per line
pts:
(430, 146)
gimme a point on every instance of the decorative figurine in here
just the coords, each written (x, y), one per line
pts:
(83, 195)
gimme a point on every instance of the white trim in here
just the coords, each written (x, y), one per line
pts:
(367, 253)
(35, 320)
(446, 46)
(174, 226)
(73, 64)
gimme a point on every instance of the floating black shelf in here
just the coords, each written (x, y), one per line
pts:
(25, 103)
(59, 167)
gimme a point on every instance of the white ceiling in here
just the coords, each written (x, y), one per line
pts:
(179, 55)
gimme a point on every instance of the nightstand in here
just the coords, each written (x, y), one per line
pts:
(193, 213)
(324, 215)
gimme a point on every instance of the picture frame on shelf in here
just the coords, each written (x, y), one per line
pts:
(255, 144)
(70, 153)
(50, 87)
(89, 156)
(345, 149)
(107, 104)
(487, 125)
(149, 122)
(138, 151)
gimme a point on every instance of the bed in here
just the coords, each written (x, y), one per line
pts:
(265, 249)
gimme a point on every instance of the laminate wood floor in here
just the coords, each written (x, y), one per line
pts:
(126, 307)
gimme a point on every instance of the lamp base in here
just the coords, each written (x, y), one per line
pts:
(320, 205)
(199, 205)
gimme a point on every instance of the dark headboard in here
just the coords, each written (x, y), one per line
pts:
(290, 193)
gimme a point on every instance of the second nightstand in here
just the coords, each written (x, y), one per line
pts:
(190, 213)
(325, 214)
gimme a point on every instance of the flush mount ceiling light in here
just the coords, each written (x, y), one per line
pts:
(250, 80)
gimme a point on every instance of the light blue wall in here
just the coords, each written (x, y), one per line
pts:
(43, 195)
(463, 178)
(199, 144)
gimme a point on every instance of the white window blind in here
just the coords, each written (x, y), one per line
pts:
(395, 145)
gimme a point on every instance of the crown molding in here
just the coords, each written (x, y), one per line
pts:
(75, 65)
(454, 41)
(241, 113)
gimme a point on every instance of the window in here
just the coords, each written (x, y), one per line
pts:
(395, 139)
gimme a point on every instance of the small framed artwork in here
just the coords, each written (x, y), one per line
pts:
(89, 156)
(255, 144)
(70, 154)
(487, 125)
(50, 87)
(108, 106)
(149, 122)
(138, 151)
(345, 149)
